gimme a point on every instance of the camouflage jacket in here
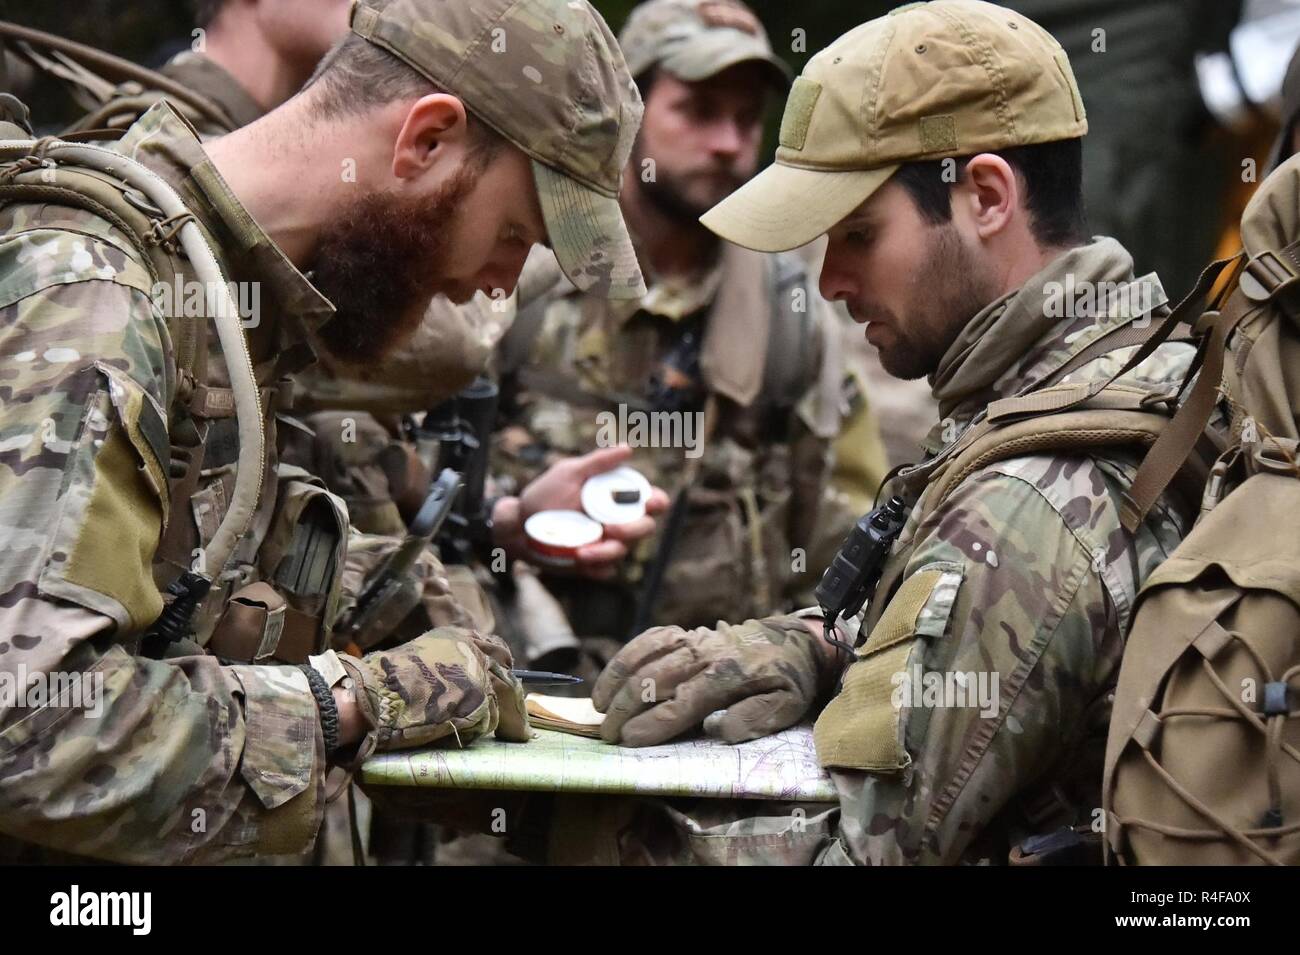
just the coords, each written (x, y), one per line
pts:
(183, 759)
(577, 373)
(978, 713)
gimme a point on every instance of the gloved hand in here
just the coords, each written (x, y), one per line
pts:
(766, 674)
(445, 682)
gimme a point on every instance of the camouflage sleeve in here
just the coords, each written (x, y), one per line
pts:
(103, 753)
(991, 658)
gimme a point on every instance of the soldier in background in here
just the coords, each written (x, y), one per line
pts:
(734, 349)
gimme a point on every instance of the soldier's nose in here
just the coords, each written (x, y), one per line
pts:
(835, 284)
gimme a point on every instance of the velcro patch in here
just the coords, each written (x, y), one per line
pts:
(798, 112)
(861, 727)
(938, 133)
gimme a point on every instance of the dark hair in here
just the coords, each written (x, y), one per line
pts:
(645, 80)
(356, 76)
(205, 11)
(1053, 179)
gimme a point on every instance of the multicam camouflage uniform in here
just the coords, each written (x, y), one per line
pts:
(92, 399)
(351, 450)
(1026, 575)
(764, 360)
(764, 370)
(192, 760)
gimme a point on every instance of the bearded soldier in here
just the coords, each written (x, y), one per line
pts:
(724, 376)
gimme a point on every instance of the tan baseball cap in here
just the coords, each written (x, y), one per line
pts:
(548, 76)
(926, 81)
(696, 39)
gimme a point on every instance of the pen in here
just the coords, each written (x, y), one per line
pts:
(543, 678)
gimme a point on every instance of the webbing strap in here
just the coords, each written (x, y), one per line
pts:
(113, 67)
(61, 195)
(1066, 397)
(1179, 438)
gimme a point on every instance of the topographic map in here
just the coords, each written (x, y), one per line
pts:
(782, 766)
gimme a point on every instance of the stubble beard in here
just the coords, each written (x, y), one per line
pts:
(670, 193)
(947, 290)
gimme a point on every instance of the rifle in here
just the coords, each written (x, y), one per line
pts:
(462, 429)
(387, 581)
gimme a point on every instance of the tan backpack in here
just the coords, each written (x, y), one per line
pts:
(1203, 756)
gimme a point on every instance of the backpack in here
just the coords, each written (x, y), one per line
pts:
(1203, 755)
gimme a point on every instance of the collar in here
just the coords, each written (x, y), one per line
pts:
(1020, 340)
(737, 291)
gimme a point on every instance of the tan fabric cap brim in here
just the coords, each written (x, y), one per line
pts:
(588, 235)
(785, 207)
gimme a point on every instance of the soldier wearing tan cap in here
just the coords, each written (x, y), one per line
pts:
(938, 148)
(735, 340)
(434, 148)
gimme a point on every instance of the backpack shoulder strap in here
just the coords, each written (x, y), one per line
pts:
(1258, 283)
(131, 214)
(93, 73)
(1119, 417)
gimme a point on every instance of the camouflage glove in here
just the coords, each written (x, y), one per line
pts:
(447, 682)
(766, 674)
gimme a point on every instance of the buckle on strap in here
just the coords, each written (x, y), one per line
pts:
(1268, 275)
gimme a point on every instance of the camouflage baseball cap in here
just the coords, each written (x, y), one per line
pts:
(927, 81)
(696, 39)
(548, 76)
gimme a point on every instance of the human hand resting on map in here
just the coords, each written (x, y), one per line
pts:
(740, 681)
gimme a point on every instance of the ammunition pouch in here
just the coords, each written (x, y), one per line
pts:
(303, 553)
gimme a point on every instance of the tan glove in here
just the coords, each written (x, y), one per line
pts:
(766, 674)
(447, 682)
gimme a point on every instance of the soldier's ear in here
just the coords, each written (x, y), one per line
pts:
(434, 126)
(988, 195)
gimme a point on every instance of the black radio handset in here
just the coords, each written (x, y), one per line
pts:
(851, 578)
